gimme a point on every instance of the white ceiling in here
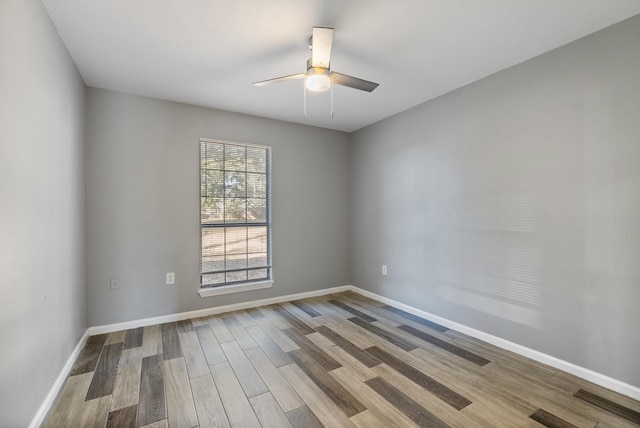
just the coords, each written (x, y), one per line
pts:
(208, 52)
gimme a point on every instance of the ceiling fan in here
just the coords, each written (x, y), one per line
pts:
(319, 76)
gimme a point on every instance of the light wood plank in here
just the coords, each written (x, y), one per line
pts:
(303, 417)
(268, 412)
(152, 340)
(159, 424)
(221, 330)
(276, 355)
(240, 334)
(127, 384)
(210, 346)
(326, 410)
(181, 411)
(249, 379)
(284, 393)
(94, 413)
(170, 341)
(67, 407)
(236, 404)
(194, 357)
(209, 407)
(116, 337)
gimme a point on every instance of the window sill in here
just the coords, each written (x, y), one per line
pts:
(236, 288)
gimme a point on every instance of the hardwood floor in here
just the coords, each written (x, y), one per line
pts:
(341, 360)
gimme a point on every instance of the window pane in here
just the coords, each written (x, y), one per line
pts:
(234, 158)
(256, 159)
(213, 263)
(236, 261)
(235, 210)
(211, 155)
(213, 279)
(236, 240)
(213, 242)
(237, 276)
(257, 260)
(211, 183)
(256, 186)
(258, 274)
(211, 210)
(257, 239)
(235, 184)
(257, 210)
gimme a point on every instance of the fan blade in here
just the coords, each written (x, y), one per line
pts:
(321, 41)
(352, 82)
(279, 79)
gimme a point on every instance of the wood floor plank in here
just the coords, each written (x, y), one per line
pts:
(363, 316)
(303, 417)
(247, 375)
(104, 375)
(152, 340)
(151, 403)
(268, 412)
(550, 420)
(209, 407)
(89, 356)
(332, 388)
(159, 424)
(416, 318)
(123, 418)
(127, 383)
(446, 394)
(210, 346)
(275, 353)
(133, 338)
(181, 411)
(320, 404)
(170, 341)
(608, 405)
(279, 338)
(236, 404)
(255, 313)
(240, 334)
(306, 308)
(456, 350)
(194, 356)
(313, 350)
(184, 326)
(386, 335)
(115, 337)
(68, 405)
(94, 412)
(364, 357)
(295, 322)
(221, 330)
(418, 414)
(284, 393)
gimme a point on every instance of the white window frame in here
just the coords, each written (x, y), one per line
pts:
(236, 287)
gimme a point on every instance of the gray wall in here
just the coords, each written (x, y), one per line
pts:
(512, 205)
(42, 239)
(143, 206)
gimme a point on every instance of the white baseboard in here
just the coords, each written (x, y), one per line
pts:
(38, 419)
(581, 372)
(109, 328)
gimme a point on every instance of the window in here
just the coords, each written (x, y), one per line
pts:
(235, 223)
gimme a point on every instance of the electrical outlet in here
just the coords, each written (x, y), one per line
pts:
(114, 283)
(384, 269)
(171, 278)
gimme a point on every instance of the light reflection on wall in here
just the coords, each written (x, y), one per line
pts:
(490, 256)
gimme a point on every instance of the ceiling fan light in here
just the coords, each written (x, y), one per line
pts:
(318, 79)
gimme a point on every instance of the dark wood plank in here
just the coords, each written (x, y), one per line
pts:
(334, 390)
(123, 418)
(295, 322)
(414, 411)
(444, 393)
(133, 338)
(550, 420)
(386, 335)
(88, 358)
(608, 405)
(364, 357)
(104, 376)
(415, 318)
(306, 308)
(303, 417)
(184, 326)
(170, 341)
(352, 310)
(462, 353)
(325, 360)
(151, 403)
